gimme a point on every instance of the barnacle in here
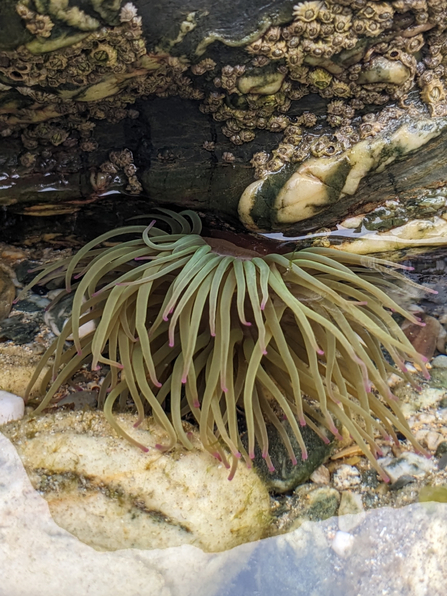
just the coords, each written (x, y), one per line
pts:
(307, 11)
(218, 327)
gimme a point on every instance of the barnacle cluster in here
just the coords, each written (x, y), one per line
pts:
(353, 54)
(222, 329)
(358, 56)
(61, 94)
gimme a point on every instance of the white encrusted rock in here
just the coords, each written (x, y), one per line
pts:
(112, 495)
(12, 407)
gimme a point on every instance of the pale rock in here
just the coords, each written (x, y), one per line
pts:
(351, 511)
(39, 558)
(432, 440)
(112, 495)
(321, 475)
(342, 543)
(408, 463)
(346, 477)
(440, 361)
(420, 435)
(12, 407)
(394, 380)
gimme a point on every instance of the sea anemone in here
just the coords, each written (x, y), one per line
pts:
(190, 324)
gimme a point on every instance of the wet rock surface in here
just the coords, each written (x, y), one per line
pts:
(112, 495)
(286, 475)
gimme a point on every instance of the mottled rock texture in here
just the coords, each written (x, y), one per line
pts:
(189, 103)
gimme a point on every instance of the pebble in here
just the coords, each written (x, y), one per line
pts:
(19, 330)
(424, 339)
(343, 543)
(12, 407)
(321, 475)
(7, 294)
(58, 315)
(442, 463)
(346, 477)
(440, 361)
(432, 440)
(351, 511)
(441, 449)
(80, 400)
(402, 481)
(353, 222)
(408, 463)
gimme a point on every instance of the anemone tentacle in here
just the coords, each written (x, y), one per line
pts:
(201, 326)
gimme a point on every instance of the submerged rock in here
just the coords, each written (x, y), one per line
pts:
(111, 495)
(287, 475)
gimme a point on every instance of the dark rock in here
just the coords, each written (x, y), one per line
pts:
(17, 330)
(402, 481)
(23, 271)
(80, 400)
(441, 449)
(286, 475)
(442, 463)
(7, 294)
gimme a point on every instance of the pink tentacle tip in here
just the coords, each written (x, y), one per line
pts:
(385, 478)
(137, 423)
(143, 448)
(247, 324)
(423, 358)
(165, 318)
(96, 368)
(264, 352)
(15, 301)
(79, 352)
(304, 455)
(294, 461)
(251, 455)
(302, 422)
(158, 384)
(217, 456)
(224, 389)
(238, 455)
(159, 447)
(171, 344)
(326, 441)
(213, 334)
(427, 376)
(320, 352)
(271, 469)
(196, 404)
(231, 476)
(184, 379)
